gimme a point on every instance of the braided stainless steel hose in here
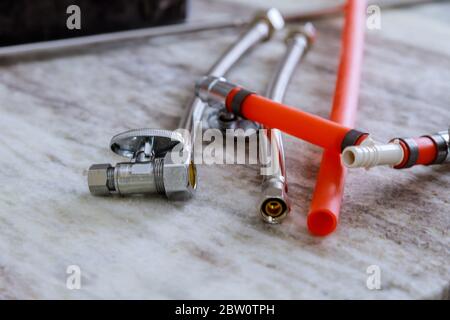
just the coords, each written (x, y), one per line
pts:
(274, 204)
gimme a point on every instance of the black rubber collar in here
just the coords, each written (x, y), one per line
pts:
(238, 99)
(351, 138)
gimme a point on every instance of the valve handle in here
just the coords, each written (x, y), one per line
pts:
(128, 143)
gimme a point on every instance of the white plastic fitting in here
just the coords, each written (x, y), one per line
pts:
(371, 154)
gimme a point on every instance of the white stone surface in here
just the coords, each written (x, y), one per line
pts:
(58, 112)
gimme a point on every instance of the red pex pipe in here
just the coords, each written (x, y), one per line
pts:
(427, 150)
(314, 129)
(326, 203)
(426, 155)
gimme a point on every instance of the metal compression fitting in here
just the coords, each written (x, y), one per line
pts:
(274, 204)
(311, 128)
(400, 153)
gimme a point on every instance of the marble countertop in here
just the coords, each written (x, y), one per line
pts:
(58, 112)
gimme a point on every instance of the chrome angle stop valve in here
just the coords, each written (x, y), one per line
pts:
(160, 163)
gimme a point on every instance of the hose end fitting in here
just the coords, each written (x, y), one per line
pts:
(273, 18)
(274, 204)
(307, 32)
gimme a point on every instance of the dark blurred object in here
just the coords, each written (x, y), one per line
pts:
(24, 21)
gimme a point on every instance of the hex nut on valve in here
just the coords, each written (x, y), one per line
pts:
(99, 179)
(179, 178)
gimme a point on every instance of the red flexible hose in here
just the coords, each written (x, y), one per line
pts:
(327, 198)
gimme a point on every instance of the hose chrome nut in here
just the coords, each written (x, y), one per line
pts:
(273, 18)
(158, 165)
(307, 31)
